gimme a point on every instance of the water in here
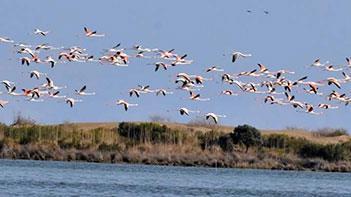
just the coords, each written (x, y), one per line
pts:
(48, 178)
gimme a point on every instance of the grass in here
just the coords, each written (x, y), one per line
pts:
(176, 144)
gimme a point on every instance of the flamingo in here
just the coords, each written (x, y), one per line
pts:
(227, 78)
(40, 32)
(68, 56)
(332, 80)
(327, 106)
(3, 103)
(200, 79)
(114, 48)
(185, 111)
(50, 85)
(134, 91)
(181, 60)
(142, 49)
(82, 92)
(291, 100)
(36, 74)
(145, 89)
(46, 47)
(7, 83)
(214, 68)
(331, 68)
(11, 91)
(317, 63)
(125, 104)
(229, 93)
(161, 65)
(196, 97)
(236, 55)
(26, 50)
(25, 60)
(90, 33)
(272, 100)
(185, 76)
(214, 117)
(337, 96)
(167, 54)
(310, 109)
(50, 61)
(262, 68)
(31, 92)
(119, 58)
(348, 61)
(56, 95)
(249, 73)
(6, 40)
(347, 78)
(72, 101)
(163, 92)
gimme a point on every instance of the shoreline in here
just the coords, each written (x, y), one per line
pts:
(90, 156)
(171, 144)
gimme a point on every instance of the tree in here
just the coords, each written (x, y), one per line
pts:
(246, 135)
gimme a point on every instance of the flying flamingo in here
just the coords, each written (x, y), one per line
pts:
(196, 97)
(163, 92)
(3, 103)
(327, 106)
(229, 93)
(167, 54)
(214, 68)
(11, 91)
(50, 85)
(6, 40)
(185, 111)
(161, 65)
(72, 101)
(134, 91)
(125, 104)
(236, 55)
(50, 61)
(181, 60)
(36, 74)
(7, 83)
(56, 95)
(317, 63)
(82, 92)
(214, 117)
(310, 109)
(90, 33)
(40, 32)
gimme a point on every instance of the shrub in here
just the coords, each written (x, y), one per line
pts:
(275, 141)
(150, 133)
(330, 152)
(246, 135)
(226, 143)
(209, 139)
(328, 132)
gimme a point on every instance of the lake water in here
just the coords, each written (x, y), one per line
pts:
(48, 178)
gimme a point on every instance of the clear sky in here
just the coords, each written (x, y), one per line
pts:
(291, 36)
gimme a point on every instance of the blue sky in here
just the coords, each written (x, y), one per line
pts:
(290, 37)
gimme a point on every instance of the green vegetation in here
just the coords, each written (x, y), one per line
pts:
(158, 143)
(247, 136)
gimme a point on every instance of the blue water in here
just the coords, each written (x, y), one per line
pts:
(48, 178)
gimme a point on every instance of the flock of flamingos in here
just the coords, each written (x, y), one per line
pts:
(277, 87)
